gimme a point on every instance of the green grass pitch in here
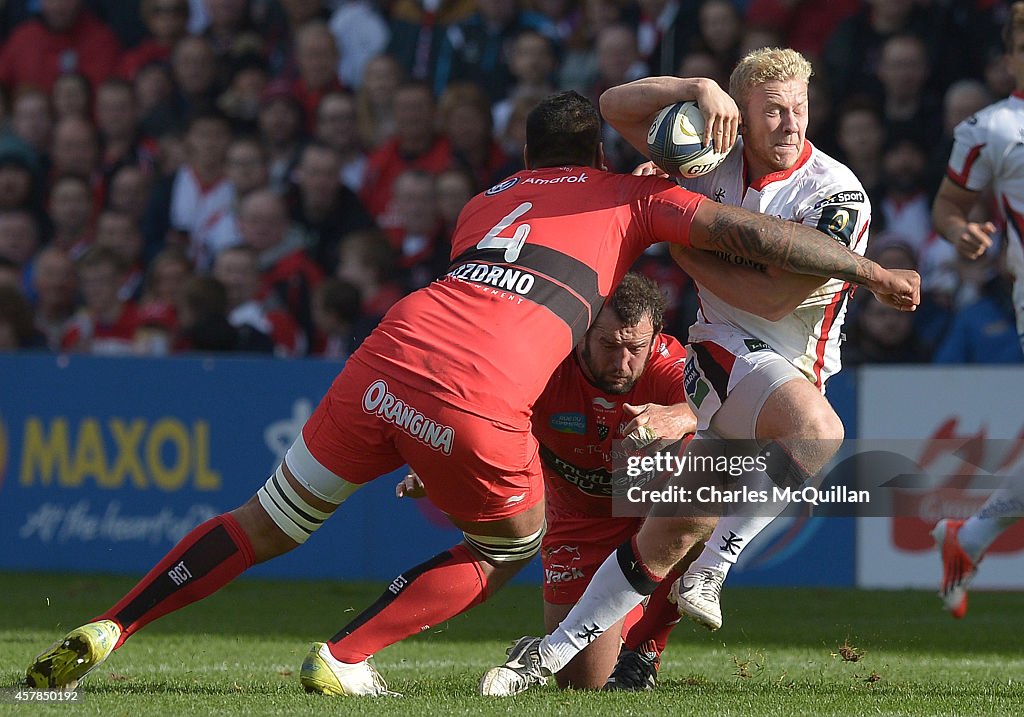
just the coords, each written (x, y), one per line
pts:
(780, 653)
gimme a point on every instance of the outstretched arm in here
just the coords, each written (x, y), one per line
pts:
(630, 108)
(767, 292)
(797, 249)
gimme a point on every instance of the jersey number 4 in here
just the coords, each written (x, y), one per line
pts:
(514, 244)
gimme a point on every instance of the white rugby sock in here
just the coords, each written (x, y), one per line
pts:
(732, 534)
(618, 586)
(1002, 509)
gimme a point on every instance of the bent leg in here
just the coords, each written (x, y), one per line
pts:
(444, 586)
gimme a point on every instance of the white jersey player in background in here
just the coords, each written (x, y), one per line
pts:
(752, 377)
(987, 155)
(747, 378)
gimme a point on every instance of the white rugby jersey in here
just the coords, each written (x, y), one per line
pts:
(988, 150)
(817, 191)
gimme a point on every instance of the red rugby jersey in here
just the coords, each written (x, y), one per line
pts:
(533, 259)
(576, 424)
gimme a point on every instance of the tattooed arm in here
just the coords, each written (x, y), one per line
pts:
(798, 249)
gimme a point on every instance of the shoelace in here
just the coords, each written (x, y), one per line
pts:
(710, 586)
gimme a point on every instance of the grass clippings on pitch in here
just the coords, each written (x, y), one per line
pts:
(781, 652)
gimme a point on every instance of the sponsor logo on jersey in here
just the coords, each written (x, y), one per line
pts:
(378, 400)
(567, 179)
(560, 564)
(502, 186)
(756, 345)
(603, 404)
(695, 386)
(506, 278)
(853, 196)
(574, 423)
(839, 223)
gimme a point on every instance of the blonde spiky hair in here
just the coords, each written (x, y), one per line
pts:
(765, 65)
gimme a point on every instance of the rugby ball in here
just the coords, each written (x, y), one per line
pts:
(674, 142)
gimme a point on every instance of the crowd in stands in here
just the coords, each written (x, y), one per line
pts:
(272, 175)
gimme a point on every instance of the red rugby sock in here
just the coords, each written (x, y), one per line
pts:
(658, 619)
(208, 558)
(441, 588)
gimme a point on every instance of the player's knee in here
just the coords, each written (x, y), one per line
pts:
(506, 553)
(289, 510)
(824, 425)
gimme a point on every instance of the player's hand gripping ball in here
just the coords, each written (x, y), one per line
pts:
(675, 142)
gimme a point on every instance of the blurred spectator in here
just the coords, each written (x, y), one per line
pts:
(454, 189)
(465, 118)
(719, 31)
(821, 117)
(904, 204)
(71, 96)
(578, 66)
(76, 150)
(64, 38)
(418, 28)
(513, 139)
(165, 276)
(532, 64)
(316, 56)
(19, 239)
(759, 37)
(360, 33)
(617, 62)
(416, 233)
(230, 30)
(880, 334)
(71, 213)
(201, 193)
(367, 260)
(158, 106)
(117, 122)
(17, 331)
(416, 145)
(860, 136)
(908, 105)
(194, 69)
(237, 268)
(322, 207)
(105, 324)
(375, 100)
(701, 63)
(983, 330)
(241, 99)
(288, 274)
(118, 232)
(665, 32)
(805, 24)
(962, 99)
(54, 286)
(476, 49)
(337, 319)
(32, 121)
(854, 49)
(281, 123)
(336, 127)
(166, 22)
(129, 191)
(203, 319)
(19, 181)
